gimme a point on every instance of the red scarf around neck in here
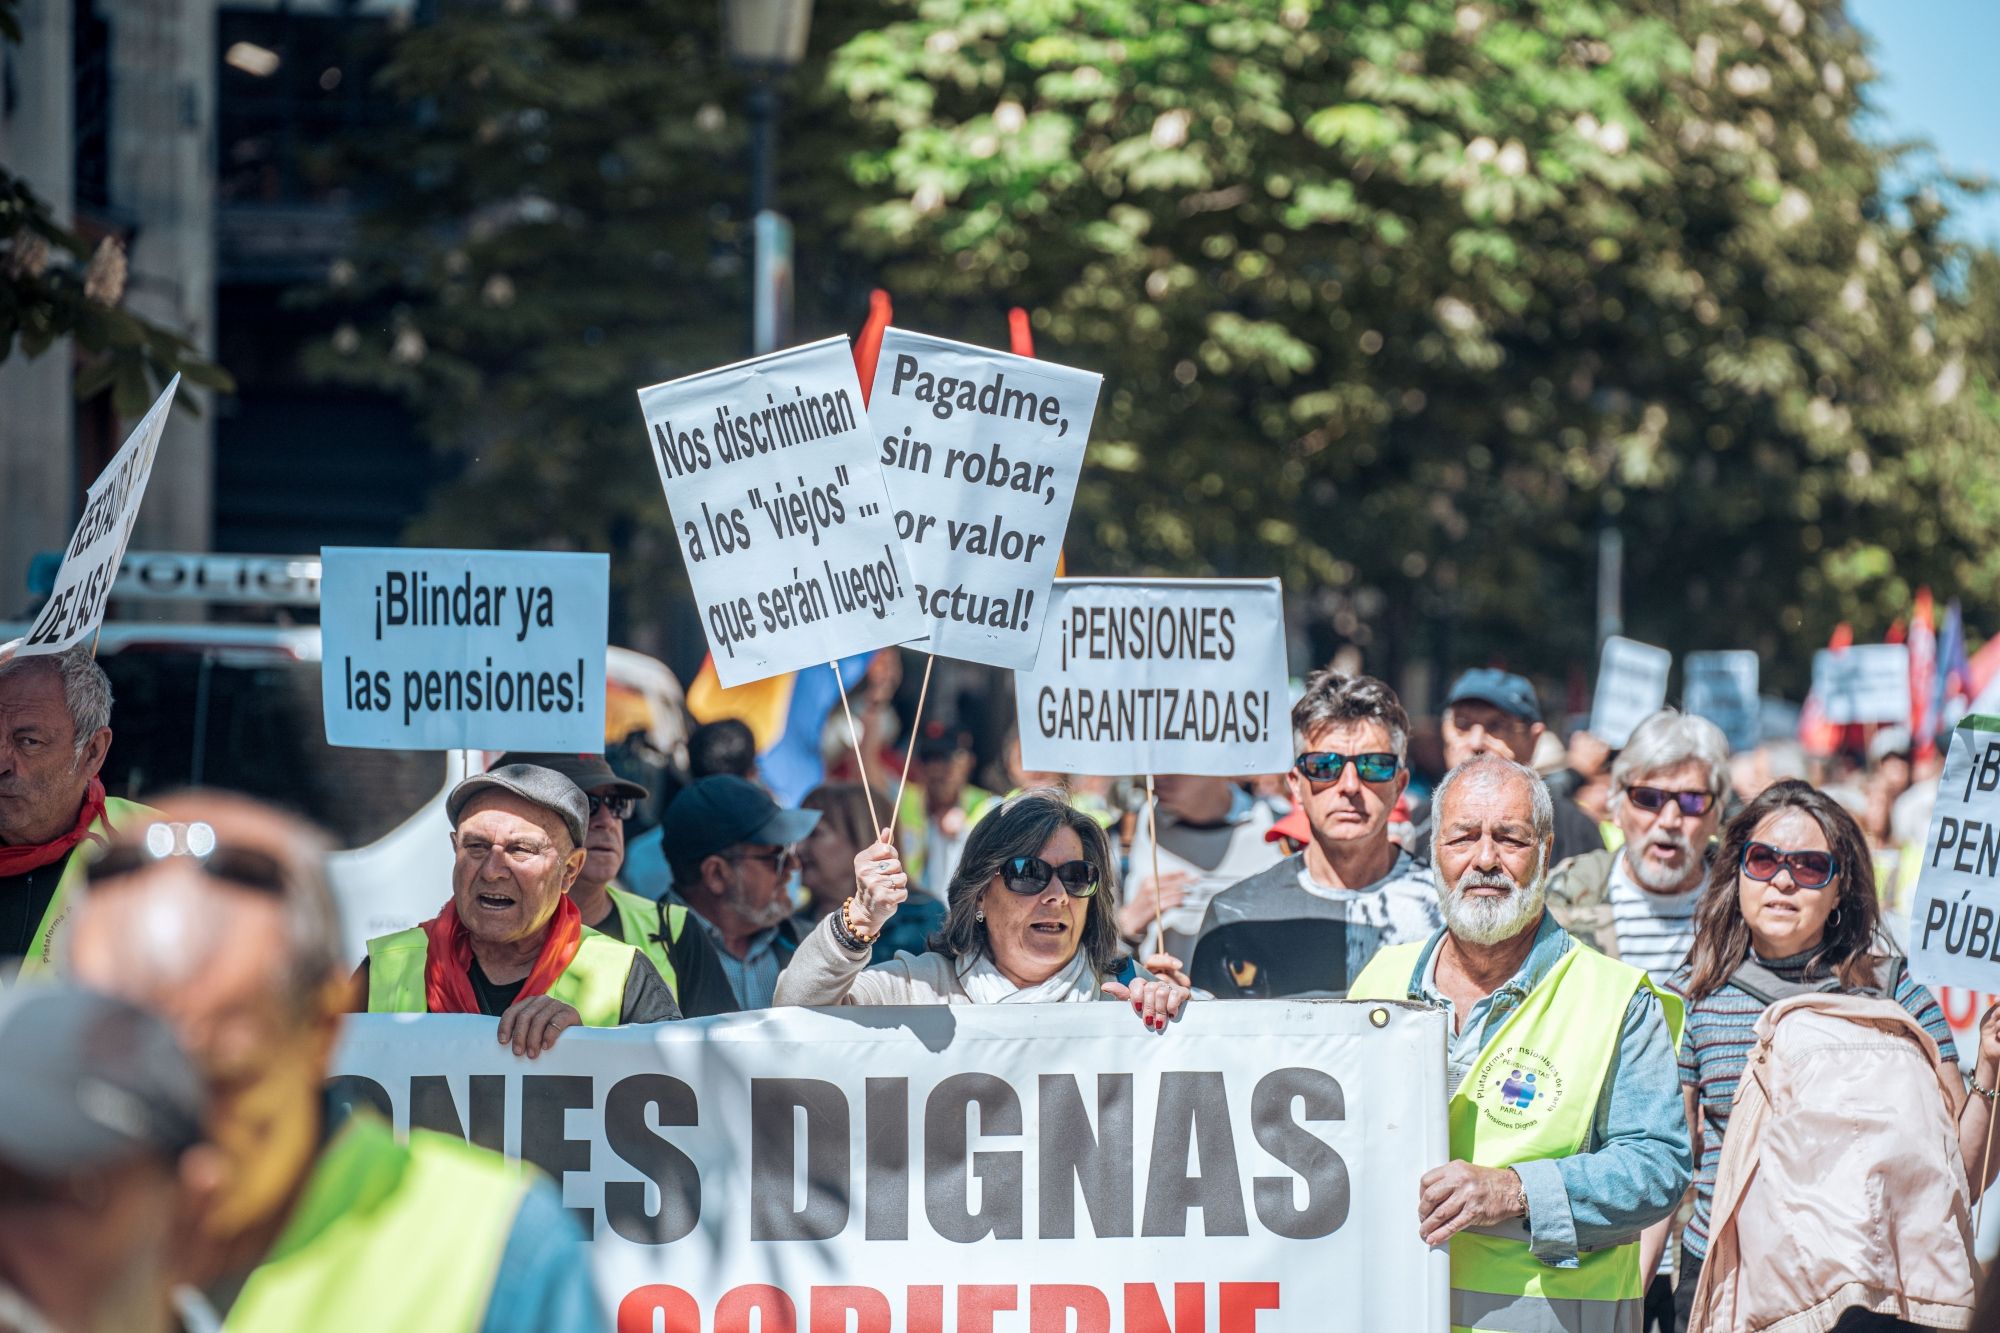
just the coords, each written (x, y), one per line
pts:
(448, 963)
(34, 855)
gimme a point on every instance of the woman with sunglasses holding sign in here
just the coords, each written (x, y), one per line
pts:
(1790, 908)
(1029, 918)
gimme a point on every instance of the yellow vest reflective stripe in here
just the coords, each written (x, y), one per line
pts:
(639, 921)
(593, 984)
(387, 1236)
(42, 949)
(1532, 1094)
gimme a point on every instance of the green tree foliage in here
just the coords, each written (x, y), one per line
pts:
(54, 285)
(1404, 301)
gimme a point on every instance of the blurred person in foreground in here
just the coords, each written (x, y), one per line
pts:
(55, 731)
(1567, 1137)
(1669, 788)
(826, 869)
(1308, 924)
(1029, 921)
(1212, 835)
(1791, 907)
(217, 916)
(733, 853)
(103, 1165)
(1496, 712)
(511, 943)
(661, 930)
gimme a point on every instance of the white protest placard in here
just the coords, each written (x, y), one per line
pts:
(1955, 914)
(984, 1167)
(1722, 687)
(1631, 687)
(1159, 676)
(771, 478)
(450, 650)
(90, 562)
(980, 451)
(1868, 682)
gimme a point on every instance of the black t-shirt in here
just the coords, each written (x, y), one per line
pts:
(494, 998)
(24, 901)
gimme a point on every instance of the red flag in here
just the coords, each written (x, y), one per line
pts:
(1817, 735)
(868, 346)
(1923, 676)
(1020, 341)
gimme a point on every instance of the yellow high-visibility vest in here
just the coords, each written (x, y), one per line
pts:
(593, 984)
(640, 919)
(42, 948)
(1531, 1094)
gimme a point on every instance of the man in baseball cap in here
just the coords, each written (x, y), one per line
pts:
(734, 852)
(103, 1163)
(1496, 712)
(662, 931)
(511, 943)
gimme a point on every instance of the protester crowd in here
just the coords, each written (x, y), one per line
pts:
(1660, 917)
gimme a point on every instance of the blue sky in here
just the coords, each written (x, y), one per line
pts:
(1935, 61)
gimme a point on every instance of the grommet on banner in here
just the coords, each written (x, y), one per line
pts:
(1379, 1017)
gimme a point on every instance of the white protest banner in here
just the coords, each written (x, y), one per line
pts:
(1869, 682)
(1955, 914)
(997, 1169)
(446, 650)
(1631, 687)
(980, 451)
(90, 562)
(1159, 676)
(776, 497)
(1722, 687)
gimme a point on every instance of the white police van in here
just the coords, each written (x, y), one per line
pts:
(236, 704)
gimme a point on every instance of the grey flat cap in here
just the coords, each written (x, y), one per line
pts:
(538, 786)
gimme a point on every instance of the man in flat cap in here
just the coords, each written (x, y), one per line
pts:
(511, 943)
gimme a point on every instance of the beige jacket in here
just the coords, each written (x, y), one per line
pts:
(1841, 1183)
(823, 973)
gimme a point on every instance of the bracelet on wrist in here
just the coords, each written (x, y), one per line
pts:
(1990, 1094)
(863, 938)
(836, 925)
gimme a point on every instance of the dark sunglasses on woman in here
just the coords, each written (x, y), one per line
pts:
(1693, 804)
(1326, 765)
(1810, 870)
(1031, 874)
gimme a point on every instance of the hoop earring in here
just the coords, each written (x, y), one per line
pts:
(1835, 922)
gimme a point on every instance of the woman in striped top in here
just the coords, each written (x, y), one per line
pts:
(1793, 885)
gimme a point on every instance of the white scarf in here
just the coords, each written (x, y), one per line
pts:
(983, 983)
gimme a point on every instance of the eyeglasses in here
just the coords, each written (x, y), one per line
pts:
(621, 807)
(1810, 870)
(1327, 765)
(1031, 874)
(244, 866)
(775, 858)
(1692, 803)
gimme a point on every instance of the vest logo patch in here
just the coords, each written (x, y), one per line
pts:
(1518, 1088)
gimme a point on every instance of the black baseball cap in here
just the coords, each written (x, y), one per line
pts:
(538, 786)
(723, 810)
(1506, 691)
(587, 771)
(90, 1080)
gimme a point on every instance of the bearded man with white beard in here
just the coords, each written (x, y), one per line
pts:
(1669, 791)
(1567, 1134)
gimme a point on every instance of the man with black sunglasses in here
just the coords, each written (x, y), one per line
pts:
(1309, 924)
(662, 931)
(1669, 788)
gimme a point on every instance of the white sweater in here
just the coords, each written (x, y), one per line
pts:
(823, 973)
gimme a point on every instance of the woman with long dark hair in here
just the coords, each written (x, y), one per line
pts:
(1791, 902)
(1028, 918)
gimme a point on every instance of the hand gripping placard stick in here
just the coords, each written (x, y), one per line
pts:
(854, 735)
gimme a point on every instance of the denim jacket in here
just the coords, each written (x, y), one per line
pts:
(1636, 1162)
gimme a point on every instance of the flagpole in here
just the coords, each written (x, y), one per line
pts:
(854, 737)
(910, 750)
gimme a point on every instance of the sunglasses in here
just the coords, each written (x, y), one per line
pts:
(621, 807)
(1692, 803)
(1326, 765)
(1810, 870)
(775, 858)
(242, 866)
(1031, 874)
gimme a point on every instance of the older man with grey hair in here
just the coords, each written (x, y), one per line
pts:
(55, 731)
(1566, 1137)
(1669, 788)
